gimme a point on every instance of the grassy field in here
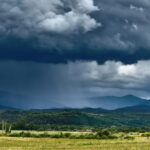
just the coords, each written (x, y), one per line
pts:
(13, 143)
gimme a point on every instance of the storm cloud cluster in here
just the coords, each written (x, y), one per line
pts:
(115, 74)
(61, 31)
(60, 52)
(23, 17)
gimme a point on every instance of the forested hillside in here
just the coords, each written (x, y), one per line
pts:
(79, 117)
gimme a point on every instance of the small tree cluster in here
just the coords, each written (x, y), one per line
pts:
(6, 128)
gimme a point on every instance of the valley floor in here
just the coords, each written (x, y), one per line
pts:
(7, 143)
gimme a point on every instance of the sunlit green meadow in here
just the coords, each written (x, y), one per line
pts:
(19, 143)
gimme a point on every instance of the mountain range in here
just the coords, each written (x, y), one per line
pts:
(108, 103)
(121, 111)
(6, 108)
(112, 102)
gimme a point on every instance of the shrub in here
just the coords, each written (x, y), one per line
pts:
(55, 136)
(129, 137)
(146, 135)
(14, 135)
(103, 133)
(67, 135)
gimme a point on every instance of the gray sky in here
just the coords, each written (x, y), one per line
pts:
(60, 53)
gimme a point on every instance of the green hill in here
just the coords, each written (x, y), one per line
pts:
(79, 117)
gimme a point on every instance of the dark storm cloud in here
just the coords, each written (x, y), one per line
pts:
(58, 53)
(62, 31)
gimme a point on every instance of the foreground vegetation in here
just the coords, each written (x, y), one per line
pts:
(104, 134)
(105, 139)
(15, 143)
(100, 135)
(90, 129)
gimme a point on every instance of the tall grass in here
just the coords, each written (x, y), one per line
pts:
(10, 143)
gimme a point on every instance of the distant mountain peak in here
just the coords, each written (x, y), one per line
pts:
(2, 107)
(114, 102)
(141, 107)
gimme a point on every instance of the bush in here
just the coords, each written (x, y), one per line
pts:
(105, 134)
(146, 135)
(67, 135)
(45, 134)
(129, 137)
(55, 136)
(14, 135)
